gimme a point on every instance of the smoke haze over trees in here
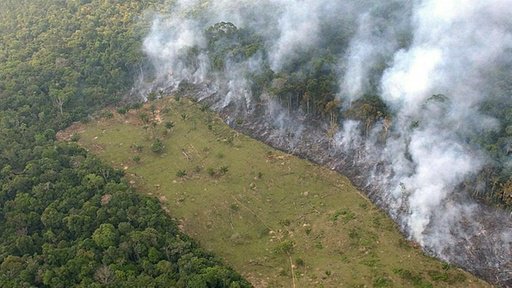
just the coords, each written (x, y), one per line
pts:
(419, 89)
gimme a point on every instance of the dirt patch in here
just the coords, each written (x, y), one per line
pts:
(256, 281)
(158, 117)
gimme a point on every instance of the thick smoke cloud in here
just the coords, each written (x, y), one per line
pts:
(404, 51)
(450, 53)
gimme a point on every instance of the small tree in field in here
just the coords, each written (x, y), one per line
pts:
(157, 146)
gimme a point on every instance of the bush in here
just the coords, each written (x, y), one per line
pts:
(169, 125)
(204, 107)
(135, 106)
(107, 114)
(75, 137)
(138, 148)
(122, 110)
(157, 146)
(285, 247)
(223, 170)
(181, 173)
(144, 117)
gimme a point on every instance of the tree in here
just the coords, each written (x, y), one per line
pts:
(105, 236)
(61, 96)
(104, 275)
(12, 266)
(51, 218)
(92, 181)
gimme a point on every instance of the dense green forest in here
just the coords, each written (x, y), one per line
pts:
(65, 218)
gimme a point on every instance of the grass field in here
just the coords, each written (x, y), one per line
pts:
(279, 220)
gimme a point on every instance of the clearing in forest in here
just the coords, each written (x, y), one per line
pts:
(278, 220)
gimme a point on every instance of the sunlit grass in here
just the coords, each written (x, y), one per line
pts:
(266, 213)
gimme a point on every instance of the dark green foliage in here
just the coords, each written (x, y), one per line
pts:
(381, 282)
(181, 173)
(75, 137)
(67, 220)
(107, 114)
(78, 57)
(157, 146)
(122, 110)
(285, 247)
(144, 117)
(444, 276)
(223, 170)
(415, 279)
(299, 262)
(169, 125)
(84, 228)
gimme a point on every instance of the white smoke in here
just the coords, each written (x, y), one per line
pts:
(373, 44)
(404, 51)
(449, 55)
(299, 29)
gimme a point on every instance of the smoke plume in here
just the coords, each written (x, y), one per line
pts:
(436, 65)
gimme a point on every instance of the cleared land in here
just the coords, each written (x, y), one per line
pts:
(279, 220)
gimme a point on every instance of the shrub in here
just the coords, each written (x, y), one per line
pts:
(135, 106)
(152, 96)
(223, 170)
(107, 114)
(122, 110)
(204, 107)
(157, 146)
(169, 125)
(138, 148)
(285, 247)
(75, 137)
(144, 117)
